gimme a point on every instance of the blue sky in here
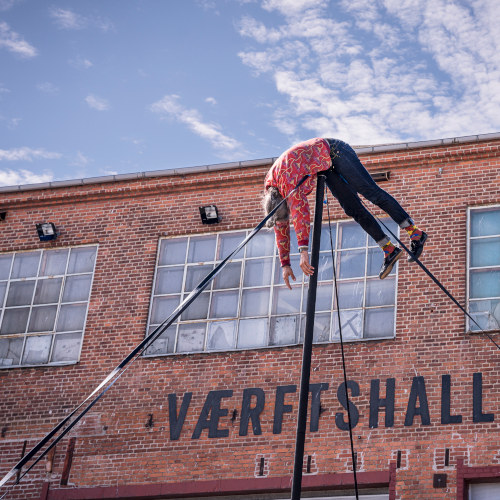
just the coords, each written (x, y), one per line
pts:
(96, 87)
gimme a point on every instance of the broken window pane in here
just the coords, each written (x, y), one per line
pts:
(202, 249)
(191, 337)
(10, 351)
(283, 330)
(352, 325)
(258, 272)
(42, 319)
(484, 284)
(485, 222)
(169, 280)
(77, 288)
(15, 320)
(255, 302)
(66, 347)
(351, 294)
(198, 309)
(252, 333)
(195, 275)
(163, 307)
(229, 277)
(53, 262)
(485, 252)
(221, 335)
(285, 300)
(224, 304)
(173, 251)
(25, 264)
(71, 317)
(81, 260)
(164, 344)
(380, 292)
(352, 264)
(262, 244)
(379, 322)
(37, 350)
(5, 265)
(48, 291)
(228, 243)
(486, 313)
(20, 293)
(352, 235)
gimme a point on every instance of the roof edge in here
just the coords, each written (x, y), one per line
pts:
(381, 148)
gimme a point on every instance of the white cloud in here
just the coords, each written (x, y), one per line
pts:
(80, 160)
(211, 100)
(27, 154)
(8, 4)
(47, 88)
(15, 43)
(16, 177)
(69, 20)
(169, 106)
(81, 63)
(380, 71)
(97, 103)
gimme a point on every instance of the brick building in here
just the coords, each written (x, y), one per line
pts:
(210, 409)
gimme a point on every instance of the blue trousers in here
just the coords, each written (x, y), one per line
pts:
(347, 178)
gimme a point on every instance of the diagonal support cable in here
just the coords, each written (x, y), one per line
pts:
(65, 425)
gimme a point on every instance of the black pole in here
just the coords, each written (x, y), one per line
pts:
(308, 341)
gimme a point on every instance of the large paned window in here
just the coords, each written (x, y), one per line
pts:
(44, 296)
(248, 306)
(484, 268)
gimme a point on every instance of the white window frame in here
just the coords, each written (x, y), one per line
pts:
(300, 314)
(59, 303)
(471, 209)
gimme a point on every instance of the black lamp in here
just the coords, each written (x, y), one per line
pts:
(46, 231)
(209, 214)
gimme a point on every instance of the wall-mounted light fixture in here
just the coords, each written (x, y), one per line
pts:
(46, 231)
(381, 176)
(209, 214)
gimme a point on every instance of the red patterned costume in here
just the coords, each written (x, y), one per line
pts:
(306, 158)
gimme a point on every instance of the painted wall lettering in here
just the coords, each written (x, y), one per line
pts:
(253, 404)
(280, 407)
(417, 392)
(446, 416)
(339, 417)
(376, 402)
(252, 413)
(212, 407)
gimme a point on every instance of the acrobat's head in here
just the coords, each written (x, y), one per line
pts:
(272, 198)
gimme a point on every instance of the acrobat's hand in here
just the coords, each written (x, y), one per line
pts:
(287, 274)
(307, 269)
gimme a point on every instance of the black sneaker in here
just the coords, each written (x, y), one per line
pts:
(416, 247)
(389, 262)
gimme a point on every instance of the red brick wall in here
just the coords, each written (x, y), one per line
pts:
(115, 447)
